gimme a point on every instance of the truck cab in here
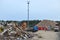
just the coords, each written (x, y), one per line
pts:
(56, 29)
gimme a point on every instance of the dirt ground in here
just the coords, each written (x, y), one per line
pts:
(46, 35)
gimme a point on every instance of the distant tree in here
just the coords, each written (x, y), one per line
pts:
(58, 23)
(32, 22)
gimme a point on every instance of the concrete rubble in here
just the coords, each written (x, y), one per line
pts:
(11, 32)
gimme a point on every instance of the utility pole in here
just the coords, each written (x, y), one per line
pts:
(28, 11)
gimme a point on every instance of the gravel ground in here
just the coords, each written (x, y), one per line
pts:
(58, 36)
(48, 35)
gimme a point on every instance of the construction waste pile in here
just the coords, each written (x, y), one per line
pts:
(14, 32)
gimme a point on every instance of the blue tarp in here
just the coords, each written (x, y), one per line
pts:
(35, 28)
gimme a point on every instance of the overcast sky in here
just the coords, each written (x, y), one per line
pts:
(39, 10)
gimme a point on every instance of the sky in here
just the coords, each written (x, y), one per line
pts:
(38, 10)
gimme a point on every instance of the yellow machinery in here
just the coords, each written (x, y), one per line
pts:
(1, 29)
